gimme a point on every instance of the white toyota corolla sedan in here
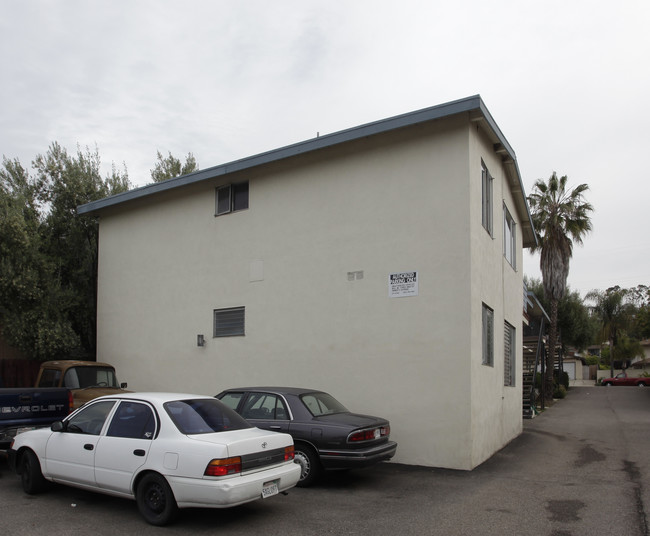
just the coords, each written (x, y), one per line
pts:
(165, 450)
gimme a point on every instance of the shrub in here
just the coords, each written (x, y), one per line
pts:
(563, 380)
(560, 392)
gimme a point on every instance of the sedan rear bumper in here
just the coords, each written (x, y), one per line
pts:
(218, 493)
(357, 458)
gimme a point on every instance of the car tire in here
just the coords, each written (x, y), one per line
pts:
(31, 475)
(310, 467)
(641, 384)
(607, 384)
(156, 500)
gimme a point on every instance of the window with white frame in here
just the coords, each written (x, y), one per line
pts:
(509, 354)
(486, 198)
(229, 322)
(231, 198)
(509, 238)
(488, 336)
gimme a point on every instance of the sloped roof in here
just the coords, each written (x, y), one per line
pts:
(474, 106)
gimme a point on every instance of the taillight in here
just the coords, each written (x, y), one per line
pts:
(370, 434)
(226, 466)
(289, 453)
(70, 402)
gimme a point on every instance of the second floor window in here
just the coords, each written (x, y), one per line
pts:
(509, 238)
(486, 198)
(231, 198)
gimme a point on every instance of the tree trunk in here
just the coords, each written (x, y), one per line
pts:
(550, 356)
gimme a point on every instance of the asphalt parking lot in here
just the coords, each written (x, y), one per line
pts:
(580, 468)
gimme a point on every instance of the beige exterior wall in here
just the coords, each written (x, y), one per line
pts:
(497, 284)
(406, 201)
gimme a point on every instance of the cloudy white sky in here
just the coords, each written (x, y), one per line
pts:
(566, 81)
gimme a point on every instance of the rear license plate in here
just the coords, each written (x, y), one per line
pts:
(269, 489)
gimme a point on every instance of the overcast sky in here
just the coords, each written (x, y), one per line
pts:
(567, 82)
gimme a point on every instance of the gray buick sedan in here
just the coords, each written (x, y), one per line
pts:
(326, 435)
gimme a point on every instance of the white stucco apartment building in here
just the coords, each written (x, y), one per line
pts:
(381, 264)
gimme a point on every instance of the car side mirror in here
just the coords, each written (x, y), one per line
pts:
(57, 426)
(123, 385)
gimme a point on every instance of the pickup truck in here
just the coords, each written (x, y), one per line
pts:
(28, 408)
(85, 379)
(623, 379)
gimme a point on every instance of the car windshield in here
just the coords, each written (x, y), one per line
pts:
(204, 416)
(322, 404)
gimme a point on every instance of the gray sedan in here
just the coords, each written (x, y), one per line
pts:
(326, 435)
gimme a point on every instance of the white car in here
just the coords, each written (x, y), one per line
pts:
(166, 451)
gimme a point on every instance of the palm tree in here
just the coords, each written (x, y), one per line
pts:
(560, 218)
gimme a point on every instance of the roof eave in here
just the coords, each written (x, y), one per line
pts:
(473, 105)
(314, 144)
(509, 160)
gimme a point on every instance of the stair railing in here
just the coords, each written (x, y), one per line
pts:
(539, 355)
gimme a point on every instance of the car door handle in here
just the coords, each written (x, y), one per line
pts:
(139, 452)
(275, 427)
(89, 446)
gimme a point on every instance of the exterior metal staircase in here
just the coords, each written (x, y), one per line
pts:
(534, 353)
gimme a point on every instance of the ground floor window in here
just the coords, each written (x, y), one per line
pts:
(229, 322)
(488, 336)
(509, 358)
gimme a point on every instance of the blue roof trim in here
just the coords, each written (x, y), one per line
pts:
(328, 140)
(470, 104)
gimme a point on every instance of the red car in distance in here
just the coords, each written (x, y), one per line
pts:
(623, 379)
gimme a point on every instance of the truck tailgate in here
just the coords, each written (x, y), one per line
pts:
(32, 406)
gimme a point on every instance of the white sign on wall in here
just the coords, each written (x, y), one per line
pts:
(402, 284)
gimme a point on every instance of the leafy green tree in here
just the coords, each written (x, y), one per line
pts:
(577, 327)
(641, 324)
(170, 167)
(614, 316)
(23, 267)
(560, 218)
(625, 350)
(639, 296)
(605, 355)
(48, 272)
